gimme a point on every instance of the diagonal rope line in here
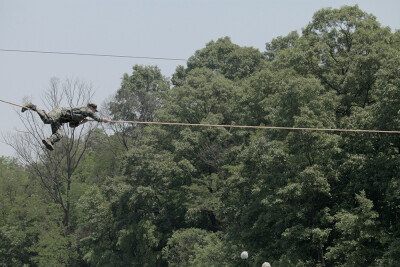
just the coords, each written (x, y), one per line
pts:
(89, 54)
(14, 104)
(241, 126)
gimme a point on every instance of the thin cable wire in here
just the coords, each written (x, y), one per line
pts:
(240, 126)
(105, 55)
(89, 54)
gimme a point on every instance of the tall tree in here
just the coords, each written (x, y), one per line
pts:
(344, 49)
(14, 237)
(54, 169)
(137, 100)
(228, 59)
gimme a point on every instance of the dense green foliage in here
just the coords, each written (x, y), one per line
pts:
(198, 196)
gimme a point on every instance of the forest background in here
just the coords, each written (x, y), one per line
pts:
(134, 195)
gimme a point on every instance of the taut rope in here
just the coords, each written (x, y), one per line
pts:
(242, 126)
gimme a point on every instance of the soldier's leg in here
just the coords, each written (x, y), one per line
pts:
(44, 116)
(57, 134)
(28, 105)
(57, 131)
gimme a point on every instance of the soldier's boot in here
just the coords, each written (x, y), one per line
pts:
(27, 106)
(48, 143)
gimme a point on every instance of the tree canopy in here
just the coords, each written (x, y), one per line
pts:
(165, 195)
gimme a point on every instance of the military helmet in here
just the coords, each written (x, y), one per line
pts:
(92, 105)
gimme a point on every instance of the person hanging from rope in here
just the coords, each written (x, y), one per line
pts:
(75, 116)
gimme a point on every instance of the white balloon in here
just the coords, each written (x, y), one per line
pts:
(244, 255)
(266, 264)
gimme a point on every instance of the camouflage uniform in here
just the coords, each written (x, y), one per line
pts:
(58, 116)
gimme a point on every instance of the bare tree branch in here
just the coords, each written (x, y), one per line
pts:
(54, 169)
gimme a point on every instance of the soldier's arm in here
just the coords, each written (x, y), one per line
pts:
(96, 117)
